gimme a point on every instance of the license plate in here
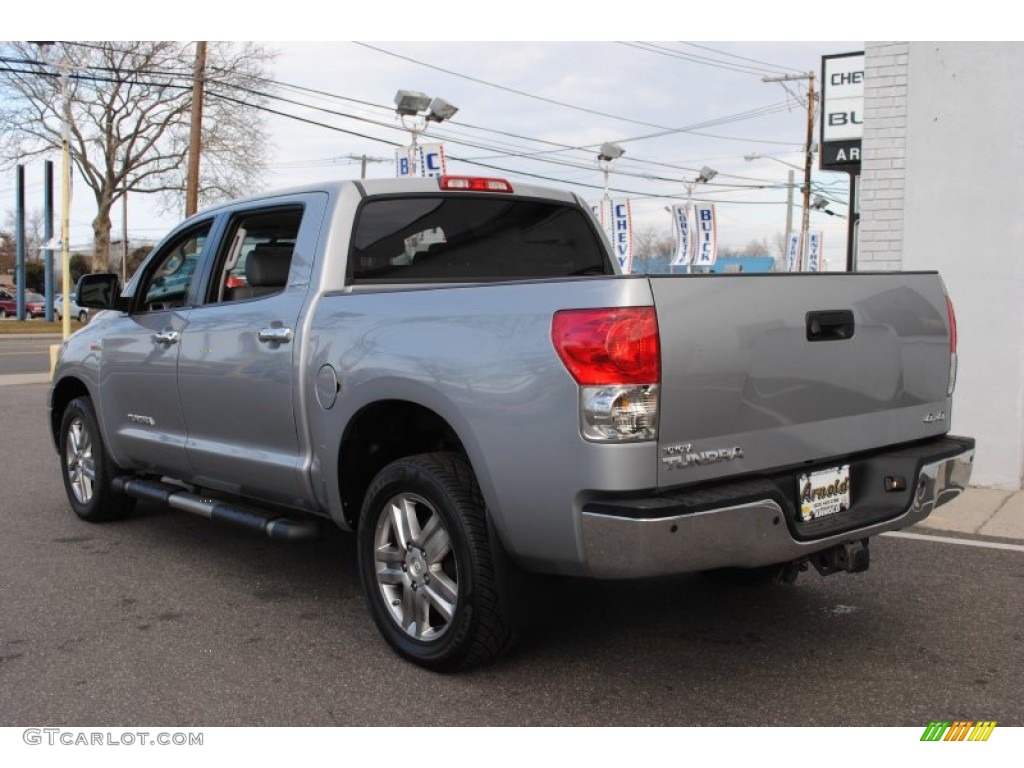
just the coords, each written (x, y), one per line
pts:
(824, 493)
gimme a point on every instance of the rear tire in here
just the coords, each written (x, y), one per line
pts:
(426, 564)
(83, 316)
(87, 468)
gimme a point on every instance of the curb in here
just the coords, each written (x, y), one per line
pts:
(14, 379)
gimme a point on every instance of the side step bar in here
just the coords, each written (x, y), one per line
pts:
(175, 496)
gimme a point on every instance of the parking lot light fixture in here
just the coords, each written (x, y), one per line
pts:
(609, 153)
(417, 110)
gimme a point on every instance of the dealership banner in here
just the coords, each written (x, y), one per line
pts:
(421, 160)
(621, 233)
(432, 161)
(681, 229)
(814, 252)
(405, 162)
(706, 235)
(793, 253)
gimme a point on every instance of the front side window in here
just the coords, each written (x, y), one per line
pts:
(451, 238)
(167, 282)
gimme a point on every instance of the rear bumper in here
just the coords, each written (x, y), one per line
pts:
(753, 523)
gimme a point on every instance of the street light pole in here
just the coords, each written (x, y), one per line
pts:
(790, 183)
(706, 174)
(790, 179)
(417, 110)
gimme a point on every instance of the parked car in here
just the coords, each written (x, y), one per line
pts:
(8, 304)
(79, 313)
(35, 304)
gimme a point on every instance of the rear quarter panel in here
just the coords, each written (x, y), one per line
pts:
(481, 357)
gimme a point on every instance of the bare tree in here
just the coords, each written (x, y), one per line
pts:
(33, 232)
(652, 244)
(129, 117)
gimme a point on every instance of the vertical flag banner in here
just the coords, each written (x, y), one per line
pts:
(432, 160)
(622, 233)
(405, 162)
(793, 253)
(681, 220)
(814, 252)
(705, 234)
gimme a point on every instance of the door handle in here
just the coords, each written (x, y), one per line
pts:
(166, 337)
(275, 335)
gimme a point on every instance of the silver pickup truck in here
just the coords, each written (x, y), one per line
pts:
(455, 370)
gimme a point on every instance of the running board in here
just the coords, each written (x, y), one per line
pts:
(175, 496)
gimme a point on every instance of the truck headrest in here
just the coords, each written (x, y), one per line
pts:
(267, 265)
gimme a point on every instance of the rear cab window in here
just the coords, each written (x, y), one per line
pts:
(452, 238)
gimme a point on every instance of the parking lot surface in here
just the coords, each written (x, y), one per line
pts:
(168, 618)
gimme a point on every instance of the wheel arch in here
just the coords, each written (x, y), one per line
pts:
(380, 433)
(63, 392)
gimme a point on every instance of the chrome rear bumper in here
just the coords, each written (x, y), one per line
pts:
(745, 535)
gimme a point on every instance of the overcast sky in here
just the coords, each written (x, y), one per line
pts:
(538, 111)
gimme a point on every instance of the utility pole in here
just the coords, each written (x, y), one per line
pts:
(808, 156)
(195, 134)
(805, 227)
(363, 161)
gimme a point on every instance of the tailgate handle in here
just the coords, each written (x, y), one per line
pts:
(830, 325)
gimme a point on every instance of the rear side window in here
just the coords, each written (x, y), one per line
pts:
(452, 238)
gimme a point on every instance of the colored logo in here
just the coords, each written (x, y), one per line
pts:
(959, 730)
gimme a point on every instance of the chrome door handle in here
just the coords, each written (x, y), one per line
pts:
(275, 335)
(167, 337)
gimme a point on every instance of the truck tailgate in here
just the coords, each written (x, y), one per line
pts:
(768, 371)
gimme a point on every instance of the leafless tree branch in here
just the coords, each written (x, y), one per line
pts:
(129, 117)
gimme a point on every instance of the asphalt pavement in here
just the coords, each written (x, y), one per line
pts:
(169, 618)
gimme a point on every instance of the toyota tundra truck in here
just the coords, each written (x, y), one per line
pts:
(455, 370)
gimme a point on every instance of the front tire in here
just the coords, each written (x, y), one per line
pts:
(83, 316)
(426, 564)
(87, 468)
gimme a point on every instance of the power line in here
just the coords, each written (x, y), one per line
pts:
(576, 166)
(774, 67)
(702, 60)
(510, 90)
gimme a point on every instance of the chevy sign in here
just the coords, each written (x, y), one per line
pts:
(842, 111)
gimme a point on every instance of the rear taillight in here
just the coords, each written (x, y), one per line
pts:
(473, 184)
(614, 355)
(952, 346)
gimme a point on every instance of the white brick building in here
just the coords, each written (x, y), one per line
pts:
(942, 187)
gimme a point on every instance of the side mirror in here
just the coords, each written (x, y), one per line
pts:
(100, 291)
